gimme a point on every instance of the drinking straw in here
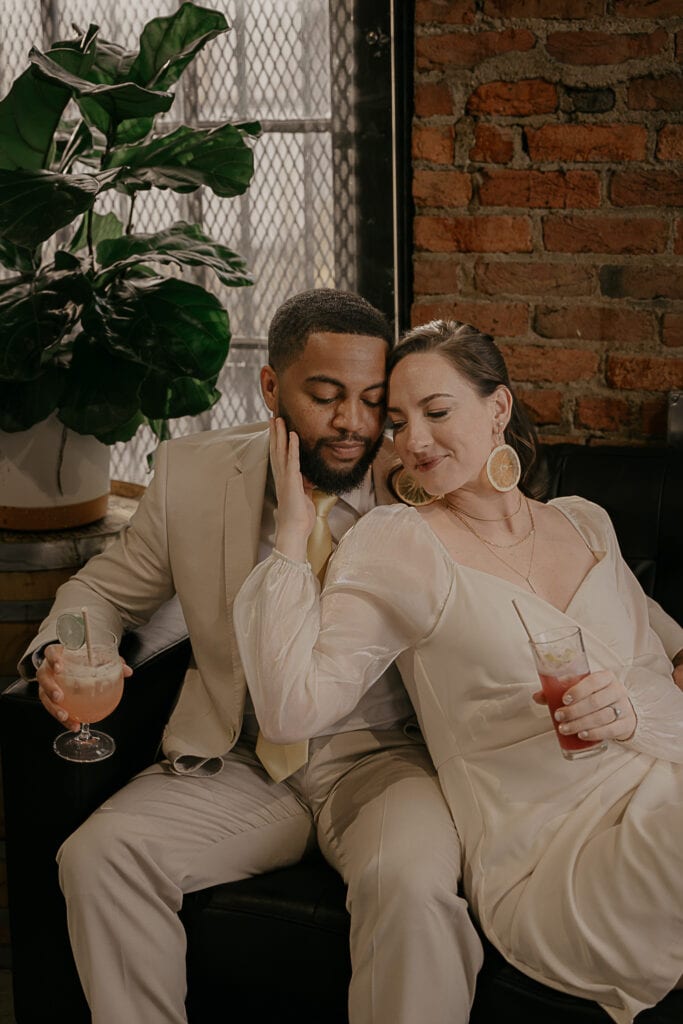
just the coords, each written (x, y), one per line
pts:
(88, 640)
(521, 619)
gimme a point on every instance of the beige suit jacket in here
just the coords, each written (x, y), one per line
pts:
(195, 533)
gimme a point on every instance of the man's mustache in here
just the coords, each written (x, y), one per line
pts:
(356, 438)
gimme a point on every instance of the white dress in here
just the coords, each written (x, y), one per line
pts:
(574, 869)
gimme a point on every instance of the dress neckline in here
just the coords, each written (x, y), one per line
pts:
(597, 554)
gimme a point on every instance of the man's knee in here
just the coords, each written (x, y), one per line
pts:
(86, 857)
(399, 877)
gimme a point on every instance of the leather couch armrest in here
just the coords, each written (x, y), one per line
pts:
(46, 798)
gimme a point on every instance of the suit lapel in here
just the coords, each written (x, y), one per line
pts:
(244, 493)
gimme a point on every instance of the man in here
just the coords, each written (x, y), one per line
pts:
(210, 813)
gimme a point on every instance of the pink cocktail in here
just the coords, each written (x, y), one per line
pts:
(561, 663)
(92, 682)
(91, 692)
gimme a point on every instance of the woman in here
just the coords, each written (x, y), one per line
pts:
(571, 867)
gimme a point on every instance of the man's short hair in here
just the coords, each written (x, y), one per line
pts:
(321, 310)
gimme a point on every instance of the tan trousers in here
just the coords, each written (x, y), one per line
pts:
(373, 802)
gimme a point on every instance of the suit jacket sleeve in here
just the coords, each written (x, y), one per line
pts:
(125, 584)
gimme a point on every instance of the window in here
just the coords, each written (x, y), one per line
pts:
(320, 210)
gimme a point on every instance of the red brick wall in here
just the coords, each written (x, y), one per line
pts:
(547, 149)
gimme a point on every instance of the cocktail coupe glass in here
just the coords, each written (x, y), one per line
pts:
(92, 683)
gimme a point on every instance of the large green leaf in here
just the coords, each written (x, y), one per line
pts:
(101, 395)
(163, 399)
(81, 43)
(118, 101)
(124, 431)
(74, 142)
(182, 244)
(133, 130)
(187, 158)
(95, 114)
(24, 403)
(110, 64)
(34, 318)
(35, 204)
(252, 128)
(15, 257)
(29, 116)
(167, 45)
(170, 326)
(65, 260)
(31, 111)
(101, 227)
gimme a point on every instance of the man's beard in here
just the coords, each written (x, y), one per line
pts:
(315, 469)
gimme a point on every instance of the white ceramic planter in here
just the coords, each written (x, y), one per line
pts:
(37, 493)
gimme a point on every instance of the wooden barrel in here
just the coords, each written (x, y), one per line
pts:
(34, 565)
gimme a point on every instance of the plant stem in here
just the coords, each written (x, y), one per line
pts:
(60, 461)
(91, 248)
(71, 146)
(129, 225)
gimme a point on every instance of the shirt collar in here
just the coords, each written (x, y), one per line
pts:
(361, 499)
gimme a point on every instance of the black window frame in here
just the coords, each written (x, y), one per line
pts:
(384, 46)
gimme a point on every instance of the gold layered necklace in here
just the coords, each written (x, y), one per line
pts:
(486, 519)
(492, 545)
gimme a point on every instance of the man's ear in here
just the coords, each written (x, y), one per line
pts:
(269, 388)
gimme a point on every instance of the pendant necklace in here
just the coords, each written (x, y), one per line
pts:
(491, 545)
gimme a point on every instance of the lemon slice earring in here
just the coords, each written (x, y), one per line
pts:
(503, 468)
(409, 491)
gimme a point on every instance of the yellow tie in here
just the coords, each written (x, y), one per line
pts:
(282, 759)
(319, 546)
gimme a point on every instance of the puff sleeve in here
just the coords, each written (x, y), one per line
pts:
(666, 628)
(309, 658)
(656, 699)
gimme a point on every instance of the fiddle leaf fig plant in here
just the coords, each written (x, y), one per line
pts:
(92, 324)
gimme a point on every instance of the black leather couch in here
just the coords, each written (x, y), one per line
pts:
(276, 946)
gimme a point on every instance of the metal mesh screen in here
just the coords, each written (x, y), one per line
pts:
(20, 28)
(289, 64)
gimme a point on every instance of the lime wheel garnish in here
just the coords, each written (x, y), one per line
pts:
(71, 630)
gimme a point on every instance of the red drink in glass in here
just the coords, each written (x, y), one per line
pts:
(561, 663)
(554, 688)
